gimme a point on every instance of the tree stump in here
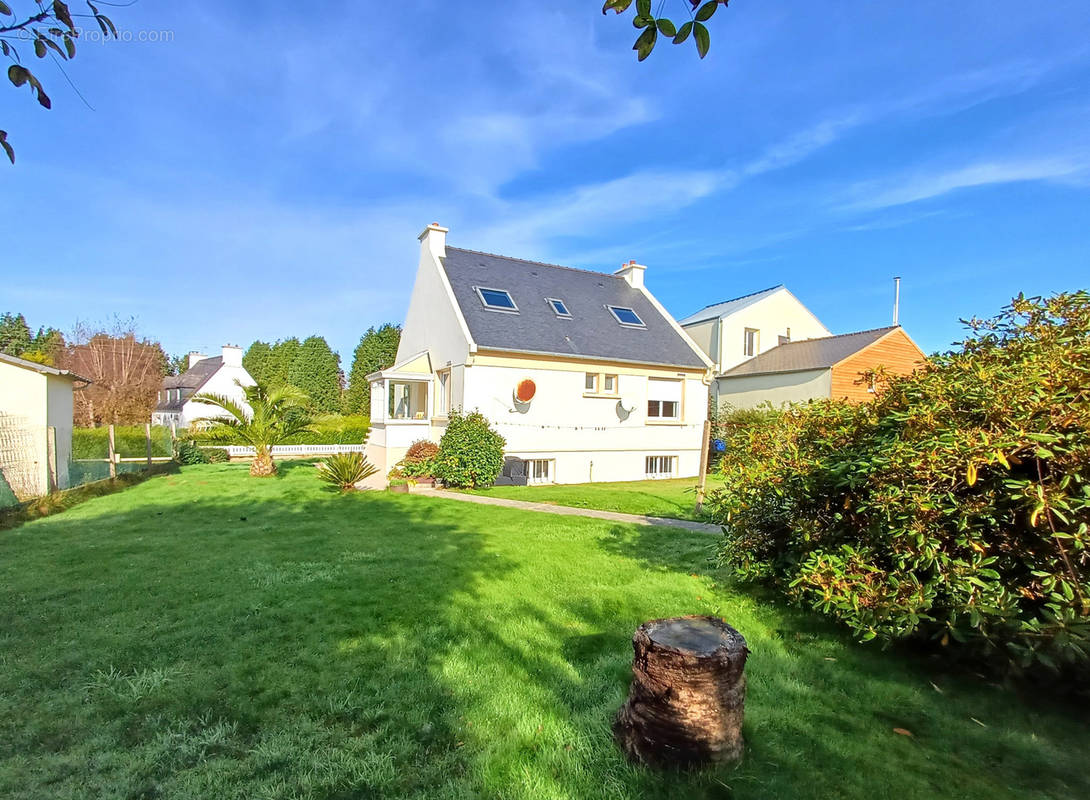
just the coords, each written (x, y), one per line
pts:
(688, 693)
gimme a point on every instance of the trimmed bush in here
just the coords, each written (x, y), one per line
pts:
(470, 452)
(954, 508)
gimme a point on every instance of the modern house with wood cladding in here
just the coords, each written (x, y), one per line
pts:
(838, 367)
(584, 373)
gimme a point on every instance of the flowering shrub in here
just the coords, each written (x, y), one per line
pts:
(954, 507)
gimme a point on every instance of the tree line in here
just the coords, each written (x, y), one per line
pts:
(126, 369)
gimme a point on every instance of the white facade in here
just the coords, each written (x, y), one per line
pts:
(224, 381)
(33, 399)
(589, 420)
(746, 329)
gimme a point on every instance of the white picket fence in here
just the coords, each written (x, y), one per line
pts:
(296, 450)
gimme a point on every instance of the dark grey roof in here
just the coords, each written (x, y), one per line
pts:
(592, 332)
(190, 382)
(725, 307)
(808, 353)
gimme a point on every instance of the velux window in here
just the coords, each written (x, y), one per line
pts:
(496, 299)
(558, 307)
(626, 316)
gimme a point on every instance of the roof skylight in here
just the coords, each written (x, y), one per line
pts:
(558, 307)
(496, 299)
(626, 316)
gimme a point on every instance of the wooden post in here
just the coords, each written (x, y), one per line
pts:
(113, 458)
(147, 442)
(51, 458)
(703, 466)
(688, 693)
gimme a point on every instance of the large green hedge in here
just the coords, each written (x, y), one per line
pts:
(128, 440)
(953, 508)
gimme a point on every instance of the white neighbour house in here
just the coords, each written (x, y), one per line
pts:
(205, 376)
(33, 399)
(734, 331)
(585, 374)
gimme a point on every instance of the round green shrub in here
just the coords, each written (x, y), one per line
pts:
(470, 452)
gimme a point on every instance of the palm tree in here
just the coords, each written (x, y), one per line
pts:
(275, 414)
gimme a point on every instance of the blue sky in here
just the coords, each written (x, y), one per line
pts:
(266, 171)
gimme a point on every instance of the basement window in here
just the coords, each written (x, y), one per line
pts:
(558, 307)
(626, 316)
(496, 299)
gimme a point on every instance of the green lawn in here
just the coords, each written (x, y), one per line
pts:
(208, 635)
(675, 497)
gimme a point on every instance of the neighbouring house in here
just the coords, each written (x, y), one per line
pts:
(584, 373)
(220, 375)
(735, 330)
(840, 367)
(35, 427)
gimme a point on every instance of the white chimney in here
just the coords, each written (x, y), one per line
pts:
(232, 355)
(194, 357)
(633, 273)
(434, 239)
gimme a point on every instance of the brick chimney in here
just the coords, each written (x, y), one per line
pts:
(633, 273)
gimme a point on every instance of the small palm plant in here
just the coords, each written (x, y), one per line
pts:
(275, 414)
(345, 470)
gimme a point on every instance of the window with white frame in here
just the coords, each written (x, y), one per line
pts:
(659, 466)
(407, 400)
(626, 316)
(590, 382)
(609, 384)
(559, 307)
(442, 393)
(496, 299)
(539, 470)
(751, 341)
(663, 399)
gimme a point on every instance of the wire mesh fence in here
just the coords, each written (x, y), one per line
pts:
(36, 460)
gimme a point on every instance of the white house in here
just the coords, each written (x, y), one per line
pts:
(585, 374)
(206, 376)
(34, 399)
(734, 331)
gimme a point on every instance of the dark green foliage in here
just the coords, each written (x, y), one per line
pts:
(955, 507)
(651, 25)
(216, 455)
(377, 350)
(257, 361)
(470, 452)
(316, 370)
(345, 470)
(187, 452)
(330, 429)
(277, 363)
(17, 340)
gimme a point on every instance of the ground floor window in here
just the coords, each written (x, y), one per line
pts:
(659, 466)
(539, 470)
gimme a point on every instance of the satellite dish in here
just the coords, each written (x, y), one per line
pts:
(622, 412)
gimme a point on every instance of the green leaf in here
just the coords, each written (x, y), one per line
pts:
(18, 74)
(683, 33)
(39, 48)
(60, 11)
(5, 9)
(4, 144)
(645, 43)
(70, 46)
(4, 47)
(643, 8)
(640, 21)
(704, 13)
(619, 6)
(703, 40)
(666, 26)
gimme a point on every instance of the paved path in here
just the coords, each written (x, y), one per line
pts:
(569, 511)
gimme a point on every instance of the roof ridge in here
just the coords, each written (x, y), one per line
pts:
(536, 263)
(842, 335)
(739, 297)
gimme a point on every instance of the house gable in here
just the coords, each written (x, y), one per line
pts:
(895, 352)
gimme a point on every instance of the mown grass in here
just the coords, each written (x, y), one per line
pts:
(208, 635)
(659, 498)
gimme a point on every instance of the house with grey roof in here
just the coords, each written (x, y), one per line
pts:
(217, 375)
(584, 373)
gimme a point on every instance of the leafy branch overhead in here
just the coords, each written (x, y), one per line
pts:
(652, 25)
(51, 30)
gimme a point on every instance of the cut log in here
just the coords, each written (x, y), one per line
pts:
(688, 693)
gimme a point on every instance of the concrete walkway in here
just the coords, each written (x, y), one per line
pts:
(569, 511)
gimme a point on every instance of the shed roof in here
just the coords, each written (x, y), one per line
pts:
(43, 369)
(591, 332)
(821, 353)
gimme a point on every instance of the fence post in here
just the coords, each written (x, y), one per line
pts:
(51, 458)
(703, 466)
(113, 459)
(147, 442)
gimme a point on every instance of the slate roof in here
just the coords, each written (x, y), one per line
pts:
(592, 332)
(808, 353)
(717, 310)
(190, 382)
